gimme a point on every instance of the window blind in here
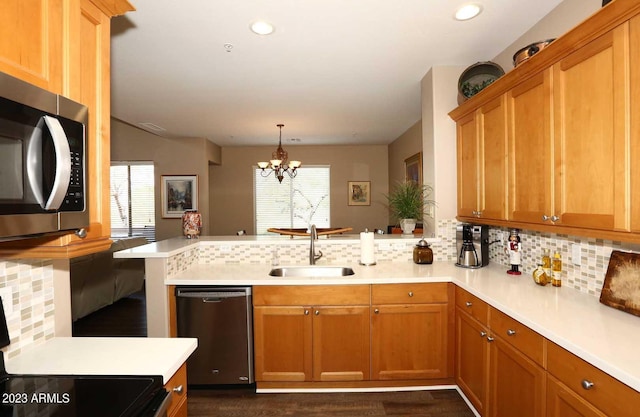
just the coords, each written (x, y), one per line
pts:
(296, 202)
(132, 200)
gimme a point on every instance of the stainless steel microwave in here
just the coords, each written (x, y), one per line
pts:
(43, 169)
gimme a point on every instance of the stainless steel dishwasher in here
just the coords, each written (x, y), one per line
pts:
(221, 319)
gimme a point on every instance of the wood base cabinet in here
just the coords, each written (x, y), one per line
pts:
(177, 385)
(498, 361)
(302, 343)
(410, 331)
(563, 402)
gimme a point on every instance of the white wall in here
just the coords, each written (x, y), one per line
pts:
(560, 20)
(439, 97)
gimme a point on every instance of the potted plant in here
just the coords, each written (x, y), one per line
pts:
(407, 202)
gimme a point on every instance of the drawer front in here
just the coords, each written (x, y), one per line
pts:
(177, 386)
(607, 393)
(409, 293)
(518, 335)
(311, 295)
(472, 305)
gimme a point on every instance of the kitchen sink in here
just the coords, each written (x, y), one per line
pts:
(311, 271)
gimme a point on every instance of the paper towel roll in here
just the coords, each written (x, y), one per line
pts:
(367, 249)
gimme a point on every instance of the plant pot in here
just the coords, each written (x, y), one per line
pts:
(408, 226)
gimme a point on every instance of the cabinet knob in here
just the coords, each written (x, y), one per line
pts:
(490, 339)
(317, 312)
(555, 218)
(410, 293)
(306, 312)
(468, 303)
(545, 217)
(483, 334)
(511, 332)
(586, 384)
(179, 389)
(376, 311)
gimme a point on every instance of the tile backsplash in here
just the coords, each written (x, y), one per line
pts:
(30, 282)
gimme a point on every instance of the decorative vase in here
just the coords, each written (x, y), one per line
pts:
(191, 224)
(408, 226)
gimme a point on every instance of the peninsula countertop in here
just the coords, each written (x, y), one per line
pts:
(104, 356)
(605, 337)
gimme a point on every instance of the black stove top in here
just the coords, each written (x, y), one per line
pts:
(76, 396)
(79, 396)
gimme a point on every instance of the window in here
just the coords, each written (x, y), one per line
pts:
(294, 203)
(132, 200)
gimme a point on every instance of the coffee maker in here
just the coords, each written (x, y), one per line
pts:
(472, 244)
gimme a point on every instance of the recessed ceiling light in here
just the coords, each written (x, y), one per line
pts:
(468, 11)
(262, 28)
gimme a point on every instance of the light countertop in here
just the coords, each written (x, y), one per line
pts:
(104, 356)
(603, 336)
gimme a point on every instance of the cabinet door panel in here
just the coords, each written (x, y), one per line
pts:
(562, 402)
(530, 168)
(410, 341)
(493, 160)
(517, 384)
(590, 140)
(468, 152)
(472, 359)
(282, 343)
(31, 34)
(341, 343)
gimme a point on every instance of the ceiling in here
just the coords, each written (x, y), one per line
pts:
(333, 71)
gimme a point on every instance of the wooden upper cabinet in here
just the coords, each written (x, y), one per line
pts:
(591, 136)
(64, 47)
(482, 162)
(634, 65)
(468, 160)
(493, 160)
(530, 146)
(31, 39)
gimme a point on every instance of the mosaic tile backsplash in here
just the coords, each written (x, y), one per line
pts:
(31, 284)
(31, 281)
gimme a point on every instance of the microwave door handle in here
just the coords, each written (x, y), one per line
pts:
(63, 163)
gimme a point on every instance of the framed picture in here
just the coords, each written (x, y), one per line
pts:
(179, 193)
(359, 193)
(413, 168)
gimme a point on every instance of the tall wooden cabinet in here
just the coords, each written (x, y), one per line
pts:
(573, 133)
(64, 47)
(482, 162)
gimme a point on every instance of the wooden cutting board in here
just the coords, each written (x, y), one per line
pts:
(621, 287)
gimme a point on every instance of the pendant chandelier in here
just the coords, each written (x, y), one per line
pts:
(279, 162)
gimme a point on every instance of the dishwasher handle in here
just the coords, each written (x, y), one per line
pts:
(211, 296)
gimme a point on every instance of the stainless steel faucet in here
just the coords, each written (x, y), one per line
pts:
(313, 234)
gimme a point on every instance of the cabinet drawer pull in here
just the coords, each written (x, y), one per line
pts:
(306, 312)
(545, 217)
(376, 311)
(555, 218)
(179, 389)
(468, 303)
(410, 293)
(483, 334)
(511, 332)
(490, 339)
(586, 384)
(317, 313)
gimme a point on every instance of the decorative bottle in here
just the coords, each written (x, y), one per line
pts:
(539, 276)
(556, 269)
(546, 262)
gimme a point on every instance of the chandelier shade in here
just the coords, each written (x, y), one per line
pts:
(279, 162)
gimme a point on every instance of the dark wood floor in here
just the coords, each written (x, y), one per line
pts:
(246, 403)
(126, 317)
